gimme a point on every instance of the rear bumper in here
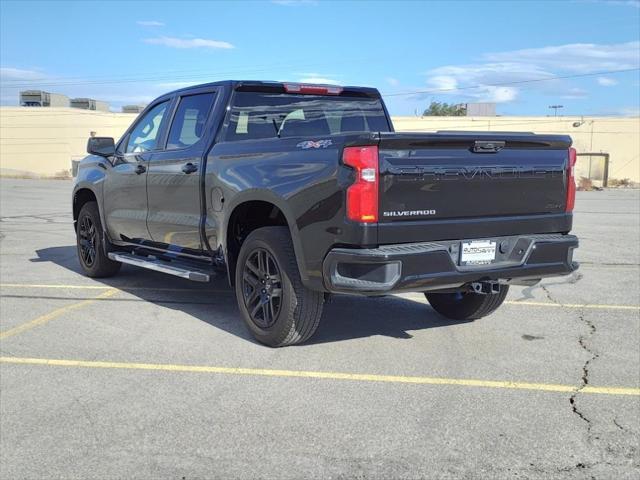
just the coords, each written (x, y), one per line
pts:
(435, 266)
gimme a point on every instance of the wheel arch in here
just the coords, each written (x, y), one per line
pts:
(254, 210)
(81, 196)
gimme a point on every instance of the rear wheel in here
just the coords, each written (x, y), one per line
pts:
(466, 305)
(276, 307)
(89, 239)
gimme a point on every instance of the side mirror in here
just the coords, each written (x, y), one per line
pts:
(101, 146)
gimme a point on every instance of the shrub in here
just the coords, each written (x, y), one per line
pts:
(585, 184)
(622, 183)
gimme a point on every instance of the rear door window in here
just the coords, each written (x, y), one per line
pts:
(189, 120)
(256, 115)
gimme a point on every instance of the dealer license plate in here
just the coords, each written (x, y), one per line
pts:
(480, 252)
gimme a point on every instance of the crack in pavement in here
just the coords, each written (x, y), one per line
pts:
(615, 422)
(609, 453)
(582, 340)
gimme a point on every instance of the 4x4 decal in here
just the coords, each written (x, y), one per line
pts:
(311, 144)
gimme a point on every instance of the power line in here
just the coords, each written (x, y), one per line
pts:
(115, 77)
(165, 75)
(516, 82)
(398, 94)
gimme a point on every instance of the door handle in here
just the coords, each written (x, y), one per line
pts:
(140, 169)
(189, 168)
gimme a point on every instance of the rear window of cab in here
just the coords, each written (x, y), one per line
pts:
(258, 115)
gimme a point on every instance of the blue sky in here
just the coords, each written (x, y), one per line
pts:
(457, 51)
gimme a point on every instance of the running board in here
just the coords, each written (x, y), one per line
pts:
(188, 272)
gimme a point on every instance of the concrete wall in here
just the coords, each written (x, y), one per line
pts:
(618, 136)
(43, 141)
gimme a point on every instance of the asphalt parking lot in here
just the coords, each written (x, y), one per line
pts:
(149, 376)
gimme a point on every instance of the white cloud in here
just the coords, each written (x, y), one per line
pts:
(575, 57)
(484, 78)
(175, 42)
(443, 82)
(607, 81)
(498, 76)
(394, 82)
(497, 94)
(12, 74)
(322, 80)
(13, 80)
(150, 23)
(316, 77)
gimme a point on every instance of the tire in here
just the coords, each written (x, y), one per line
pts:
(89, 241)
(280, 311)
(466, 305)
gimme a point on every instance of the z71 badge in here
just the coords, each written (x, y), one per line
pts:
(311, 144)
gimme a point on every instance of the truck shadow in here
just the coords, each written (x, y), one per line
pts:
(344, 318)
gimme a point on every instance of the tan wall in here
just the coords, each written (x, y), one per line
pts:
(618, 136)
(43, 141)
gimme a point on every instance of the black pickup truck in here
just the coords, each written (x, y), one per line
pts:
(300, 191)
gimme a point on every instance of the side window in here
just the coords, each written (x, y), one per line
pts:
(188, 123)
(144, 136)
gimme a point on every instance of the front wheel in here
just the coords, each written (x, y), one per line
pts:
(89, 238)
(276, 307)
(467, 305)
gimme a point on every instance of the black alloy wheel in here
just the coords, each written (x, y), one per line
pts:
(262, 288)
(87, 240)
(275, 305)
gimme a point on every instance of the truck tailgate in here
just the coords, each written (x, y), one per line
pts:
(470, 178)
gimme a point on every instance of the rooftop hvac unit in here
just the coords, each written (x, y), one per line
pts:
(89, 104)
(40, 98)
(481, 109)
(132, 108)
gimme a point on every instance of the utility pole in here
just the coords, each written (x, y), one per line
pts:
(555, 109)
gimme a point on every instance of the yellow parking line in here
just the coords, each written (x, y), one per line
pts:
(324, 375)
(574, 305)
(41, 320)
(123, 288)
(420, 298)
(68, 287)
(409, 296)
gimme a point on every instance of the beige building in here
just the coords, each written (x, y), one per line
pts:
(43, 142)
(617, 136)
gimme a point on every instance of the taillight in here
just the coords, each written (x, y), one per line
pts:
(571, 180)
(362, 196)
(312, 89)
